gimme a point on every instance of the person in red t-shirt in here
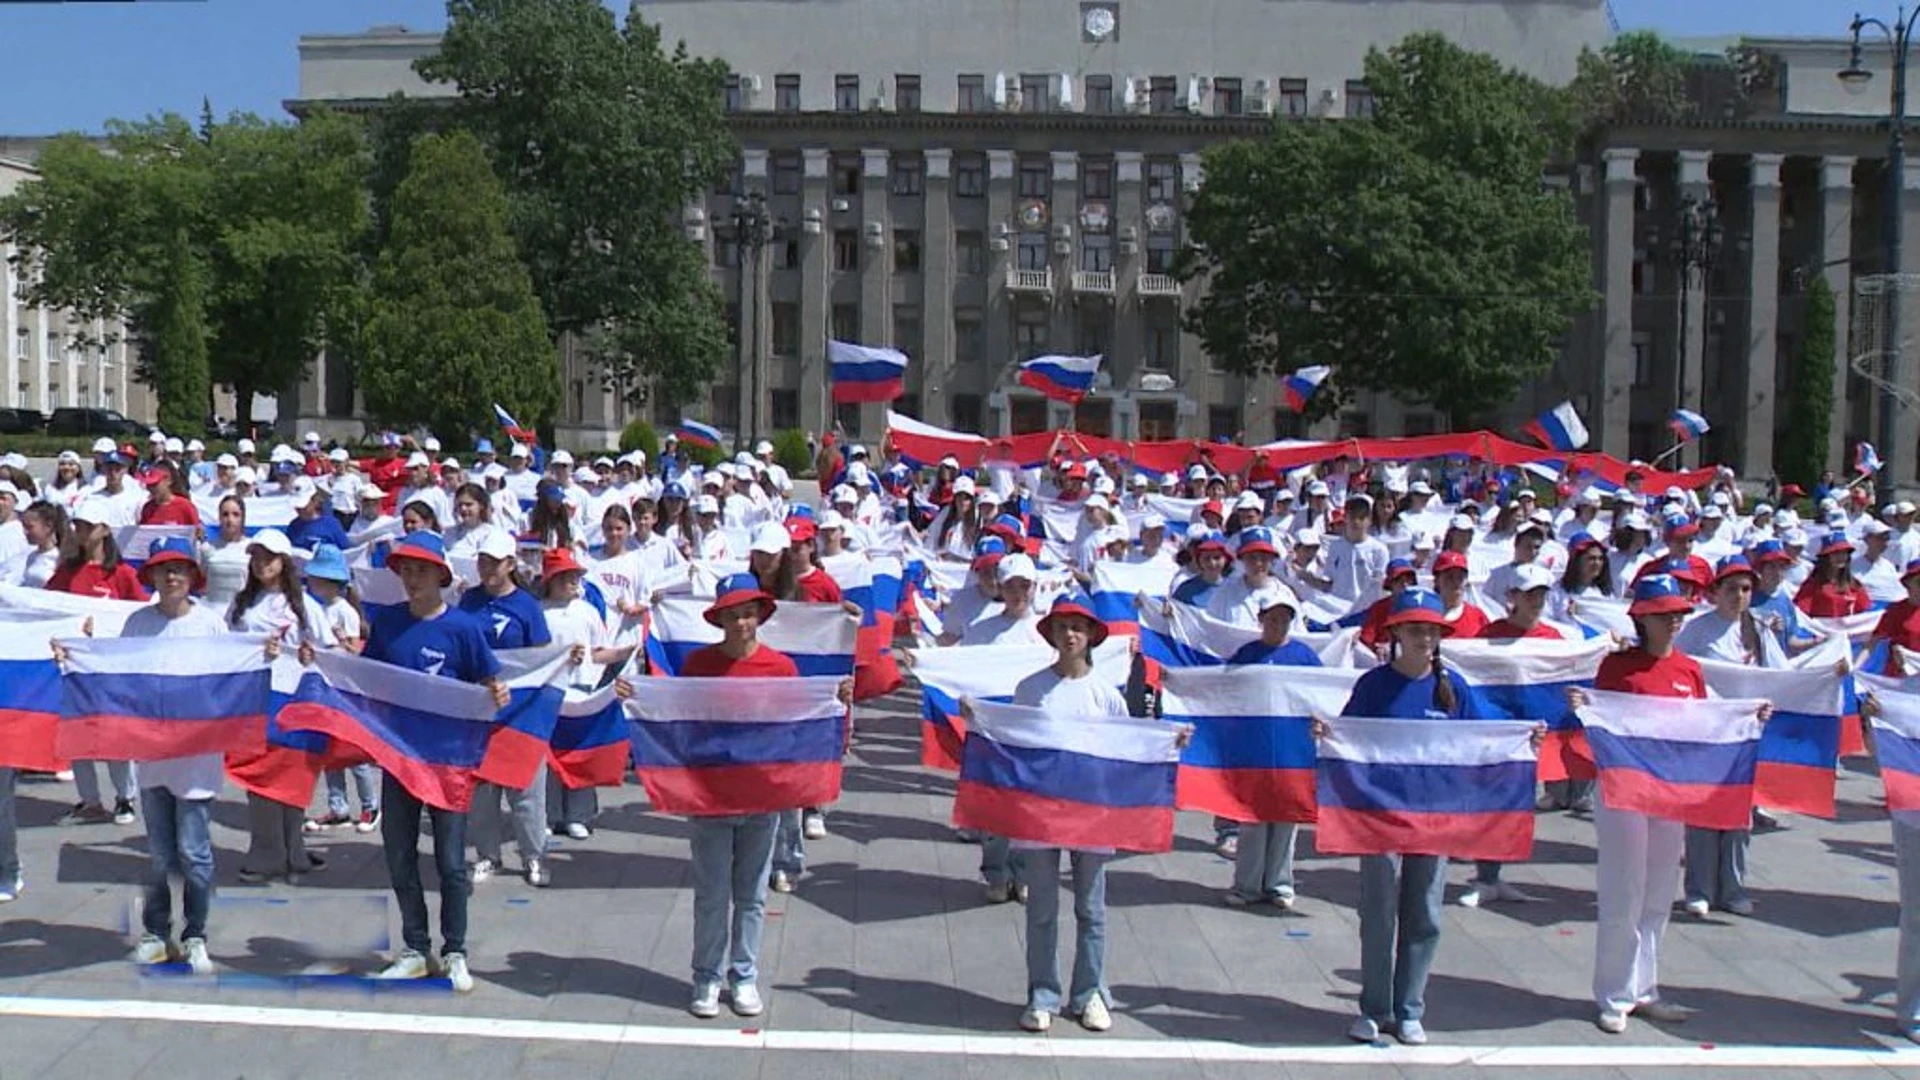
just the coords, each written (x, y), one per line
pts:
(91, 564)
(1830, 590)
(167, 502)
(1373, 632)
(1450, 581)
(1900, 623)
(811, 582)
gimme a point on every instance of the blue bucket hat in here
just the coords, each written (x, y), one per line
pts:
(483, 446)
(329, 564)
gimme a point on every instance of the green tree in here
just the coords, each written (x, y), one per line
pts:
(1418, 254)
(1802, 453)
(602, 137)
(1637, 76)
(174, 329)
(639, 435)
(452, 324)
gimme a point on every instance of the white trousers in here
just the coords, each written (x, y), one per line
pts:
(1638, 876)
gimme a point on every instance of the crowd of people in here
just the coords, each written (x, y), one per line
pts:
(537, 549)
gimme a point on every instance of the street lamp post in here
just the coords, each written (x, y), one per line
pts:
(752, 231)
(1695, 241)
(1855, 77)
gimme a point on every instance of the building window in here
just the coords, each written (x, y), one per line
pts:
(1030, 332)
(1096, 179)
(1099, 93)
(723, 406)
(846, 93)
(786, 93)
(1160, 343)
(848, 417)
(906, 251)
(1293, 97)
(726, 252)
(1355, 425)
(733, 97)
(973, 94)
(1160, 253)
(966, 412)
(785, 408)
(969, 342)
(970, 175)
(1223, 421)
(907, 336)
(786, 250)
(1096, 252)
(846, 176)
(786, 174)
(1288, 424)
(1359, 99)
(1035, 176)
(846, 251)
(906, 93)
(1033, 93)
(786, 329)
(1161, 95)
(907, 404)
(909, 174)
(1033, 251)
(1227, 100)
(969, 252)
(844, 322)
(1642, 358)
(1026, 415)
(1163, 180)
(1094, 330)
(1159, 421)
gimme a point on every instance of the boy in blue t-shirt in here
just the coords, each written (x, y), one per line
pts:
(508, 614)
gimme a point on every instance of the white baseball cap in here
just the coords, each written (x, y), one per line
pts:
(338, 453)
(419, 460)
(1153, 521)
(156, 435)
(311, 438)
(174, 446)
(831, 519)
(560, 457)
(519, 450)
(1017, 566)
(497, 544)
(1530, 576)
(771, 537)
(1137, 480)
(226, 461)
(965, 486)
(763, 447)
(1318, 487)
(1098, 502)
(195, 446)
(245, 446)
(104, 445)
(432, 445)
(706, 504)
(1275, 594)
(272, 541)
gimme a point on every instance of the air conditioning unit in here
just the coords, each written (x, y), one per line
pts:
(751, 82)
(841, 206)
(1000, 90)
(878, 103)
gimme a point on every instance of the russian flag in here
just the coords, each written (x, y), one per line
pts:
(512, 426)
(287, 767)
(1070, 782)
(987, 673)
(1800, 743)
(1559, 428)
(1687, 759)
(863, 373)
(820, 638)
(1460, 788)
(1252, 754)
(1062, 378)
(148, 699)
(1298, 388)
(922, 444)
(1117, 584)
(712, 747)
(108, 615)
(1897, 742)
(30, 688)
(430, 733)
(1186, 636)
(695, 433)
(135, 541)
(1866, 460)
(524, 736)
(591, 743)
(1527, 679)
(1688, 425)
(873, 584)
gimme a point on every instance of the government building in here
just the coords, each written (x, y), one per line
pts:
(976, 182)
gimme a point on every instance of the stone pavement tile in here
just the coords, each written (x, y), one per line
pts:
(1247, 1070)
(120, 1049)
(542, 1060)
(920, 1067)
(986, 1067)
(32, 1047)
(1155, 1069)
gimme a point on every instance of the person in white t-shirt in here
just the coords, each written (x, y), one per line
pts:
(1356, 563)
(1014, 622)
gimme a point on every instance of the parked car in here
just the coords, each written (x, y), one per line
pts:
(21, 422)
(91, 422)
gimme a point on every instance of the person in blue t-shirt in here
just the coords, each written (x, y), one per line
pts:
(1263, 864)
(426, 635)
(511, 616)
(313, 522)
(1210, 562)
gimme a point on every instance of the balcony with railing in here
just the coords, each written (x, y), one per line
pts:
(1029, 281)
(1159, 285)
(1098, 282)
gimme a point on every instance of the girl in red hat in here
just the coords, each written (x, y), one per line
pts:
(1830, 590)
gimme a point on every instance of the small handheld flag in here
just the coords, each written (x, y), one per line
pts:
(863, 373)
(1062, 378)
(1688, 425)
(1299, 387)
(1866, 460)
(695, 433)
(1559, 428)
(512, 426)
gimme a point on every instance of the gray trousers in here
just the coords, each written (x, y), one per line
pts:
(277, 842)
(1263, 868)
(529, 813)
(9, 830)
(86, 781)
(1717, 865)
(1906, 844)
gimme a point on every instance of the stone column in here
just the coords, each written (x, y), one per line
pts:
(1128, 227)
(1613, 396)
(998, 315)
(876, 274)
(936, 293)
(1836, 254)
(1196, 374)
(1906, 418)
(1691, 353)
(748, 290)
(1064, 211)
(816, 270)
(1763, 298)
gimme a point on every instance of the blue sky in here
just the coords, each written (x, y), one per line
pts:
(71, 66)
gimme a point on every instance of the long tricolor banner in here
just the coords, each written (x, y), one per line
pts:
(737, 746)
(1252, 754)
(822, 639)
(536, 684)
(1069, 781)
(1459, 788)
(1181, 635)
(148, 699)
(873, 584)
(591, 741)
(1686, 759)
(1117, 586)
(987, 673)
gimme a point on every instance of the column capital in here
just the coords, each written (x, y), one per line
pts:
(873, 163)
(814, 160)
(1192, 171)
(1620, 162)
(1766, 170)
(939, 163)
(1126, 166)
(1836, 172)
(1693, 167)
(753, 163)
(999, 164)
(1066, 166)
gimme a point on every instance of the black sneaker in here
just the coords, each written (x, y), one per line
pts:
(123, 812)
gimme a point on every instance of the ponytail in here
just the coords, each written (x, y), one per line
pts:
(1443, 696)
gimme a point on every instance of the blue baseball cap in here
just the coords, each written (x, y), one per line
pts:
(483, 446)
(675, 490)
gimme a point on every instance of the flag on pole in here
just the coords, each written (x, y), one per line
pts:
(1461, 788)
(1559, 428)
(1866, 460)
(863, 373)
(512, 426)
(1298, 388)
(695, 433)
(1062, 378)
(1688, 425)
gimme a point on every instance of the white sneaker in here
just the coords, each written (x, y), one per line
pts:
(1036, 1020)
(152, 950)
(11, 890)
(483, 869)
(780, 881)
(813, 825)
(457, 973)
(1284, 900)
(1364, 1030)
(406, 965)
(1095, 1016)
(706, 1000)
(1471, 897)
(1611, 1021)
(1410, 1033)
(746, 1000)
(578, 831)
(198, 961)
(1697, 908)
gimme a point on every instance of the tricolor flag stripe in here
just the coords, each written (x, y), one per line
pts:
(986, 673)
(1800, 742)
(698, 434)
(592, 743)
(146, 699)
(1527, 679)
(1688, 425)
(1896, 742)
(1559, 428)
(661, 743)
(1460, 788)
(863, 373)
(30, 690)
(1686, 759)
(737, 746)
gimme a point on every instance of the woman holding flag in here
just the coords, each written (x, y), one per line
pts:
(512, 618)
(1263, 862)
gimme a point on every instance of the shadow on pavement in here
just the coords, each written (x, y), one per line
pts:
(541, 974)
(1828, 915)
(875, 895)
(908, 1001)
(1242, 1018)
(30, 947)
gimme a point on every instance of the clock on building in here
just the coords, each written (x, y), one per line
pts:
(1099, 22)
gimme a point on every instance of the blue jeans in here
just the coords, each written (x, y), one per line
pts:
(9, 830)
(999, 863)
(731, 859)
(1906, 846)
(1041, 872)
(400, 837)
(365, 784)
(790, 844)
(86, 781)
(1263, 869)
(178, 842)
(1400, 899)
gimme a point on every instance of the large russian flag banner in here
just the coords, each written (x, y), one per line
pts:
(863, 373)
(108, 615)
(1181, 635)
(30, 688)
(591, 743)
(1527, 679)
(1687, 759)
(922, 444)
(1252, 754)
(148, 699)
(535, 686)
(1800, 742)
(135, 541)
(1460, 788)
(738, 746)
(1069, 781)
(287, 767)
(822, 639)
(987, 673)
(429, 733)
(1896, 742)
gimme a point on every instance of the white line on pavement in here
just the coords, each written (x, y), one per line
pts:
(873, 1042)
